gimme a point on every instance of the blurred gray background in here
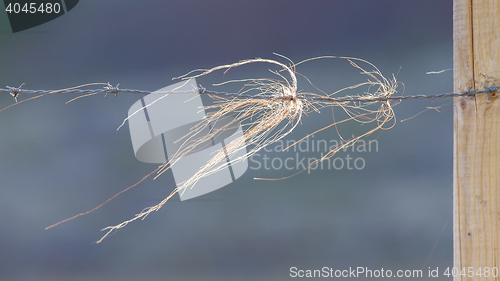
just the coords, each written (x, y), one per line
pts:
(58, 160)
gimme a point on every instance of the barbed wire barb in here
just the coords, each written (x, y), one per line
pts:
(15, 91)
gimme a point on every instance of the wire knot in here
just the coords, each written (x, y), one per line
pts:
(111, 90)
(287, 97)
(492, 89)
(15, 92)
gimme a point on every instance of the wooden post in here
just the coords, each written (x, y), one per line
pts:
(476, 187)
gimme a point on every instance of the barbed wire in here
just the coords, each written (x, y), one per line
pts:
(109, 89)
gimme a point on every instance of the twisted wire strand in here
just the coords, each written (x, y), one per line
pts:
(15, 92)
